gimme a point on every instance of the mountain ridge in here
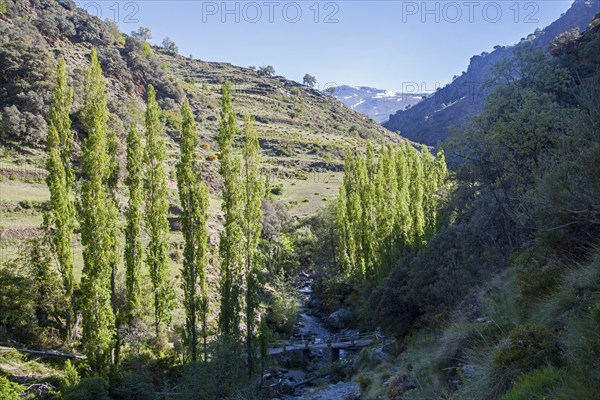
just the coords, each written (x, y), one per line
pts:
(376, 103)
(453, 106)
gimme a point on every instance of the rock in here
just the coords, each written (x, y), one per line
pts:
(339, 318)
(314, 304)
(380, 353)
(339, 391)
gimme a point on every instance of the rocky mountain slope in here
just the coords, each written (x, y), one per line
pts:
(378, 104)
(457, 103)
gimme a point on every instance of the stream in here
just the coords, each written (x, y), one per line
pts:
(311, 325)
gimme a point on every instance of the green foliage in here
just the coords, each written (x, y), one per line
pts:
(170, 46)
(133, 245)
(134, 387)
(26, 82)
(230, 246)
(225, 367)
(70, 378)
(92, 388)
(61, 220)
(539, 384)
(363, 382)
(253, 191)
(309, 80)
(171, 118)
(266, 71)
(193, 195)
(10, 390)
(282, 310)
(143, 33)
(386, 207)
(34, 314)
(157, 211)
(113, 28)
(147, 50)
(98, 217)
(527, 347)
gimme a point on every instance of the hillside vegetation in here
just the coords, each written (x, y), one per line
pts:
(503, 302)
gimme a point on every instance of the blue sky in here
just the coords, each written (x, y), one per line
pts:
(383, 44)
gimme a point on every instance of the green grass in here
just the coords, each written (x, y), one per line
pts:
(537, 385)
(14, 191)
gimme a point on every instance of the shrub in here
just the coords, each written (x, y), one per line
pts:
(281, 315)
(146, 50)
(538, 281)
(398, 385)
(10, 390)
(92, 388)
(135, 387)
(363, 382)
(527, 347)
(537, 385)
(70, 378)
(277, 190)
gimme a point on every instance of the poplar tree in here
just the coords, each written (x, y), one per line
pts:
(134, 251)
(368, 197)
(387, 187)
(386, 207)
(430, 190)
(193, 195)
(350, 218)
(403, 218)
(230, 245)
(157, 210)
(97, 222)
(253, 189)
(112, 183)
(416, 197)
(60, 179)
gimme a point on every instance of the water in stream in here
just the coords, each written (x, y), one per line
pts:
(311, 326)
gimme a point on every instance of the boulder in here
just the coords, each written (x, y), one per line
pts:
(339, 318)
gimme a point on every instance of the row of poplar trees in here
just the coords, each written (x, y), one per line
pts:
(93, 203)
(387, 204)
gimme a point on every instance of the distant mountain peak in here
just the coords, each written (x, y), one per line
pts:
(375, 103)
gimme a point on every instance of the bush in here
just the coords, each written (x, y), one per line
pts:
(527, 347)
(70, 378)
(281, 314)
(135, 387)
(92, 388)
(219, 378)
(363, 382)
(10, 390)
(277, 190)
(537, 385)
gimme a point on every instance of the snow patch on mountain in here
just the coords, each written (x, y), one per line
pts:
(376, 103)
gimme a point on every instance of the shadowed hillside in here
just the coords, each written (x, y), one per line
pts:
(454, 105)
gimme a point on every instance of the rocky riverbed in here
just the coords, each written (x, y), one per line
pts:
(315, 326)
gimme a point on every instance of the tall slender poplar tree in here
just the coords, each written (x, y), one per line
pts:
(193, 195)
(157, 210)
(253, 190)
(230, 246)
(60, 179)
(134, 252)
(97, 222)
